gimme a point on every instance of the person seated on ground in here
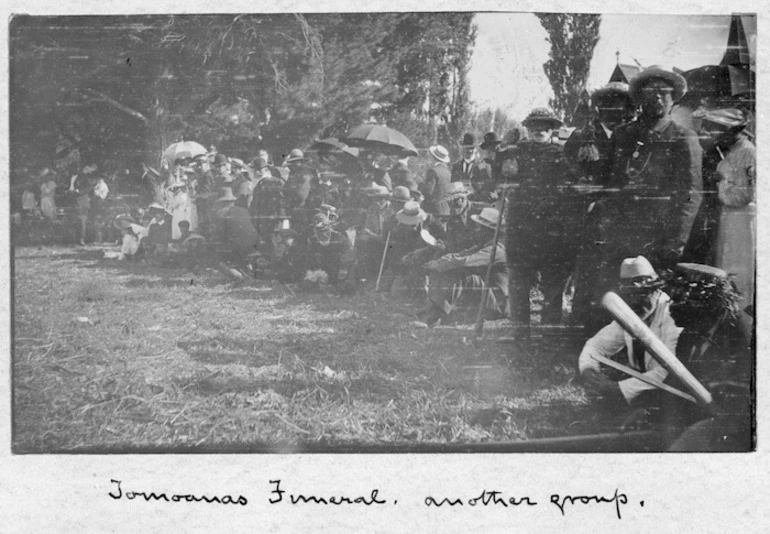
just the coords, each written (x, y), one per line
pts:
(158, 230)
(189, 243)
(131, 242)
(458, 232)
(370, 239)
(236, 232)
(453, 276)
(329, 251)
(288, 259)
(639, 287)
(716, 347)
(402, 270)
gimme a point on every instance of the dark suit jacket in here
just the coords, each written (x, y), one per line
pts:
(435, 189)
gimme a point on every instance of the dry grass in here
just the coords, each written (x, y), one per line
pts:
(115, 356)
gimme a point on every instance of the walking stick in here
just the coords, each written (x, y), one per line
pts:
(487, 278)
(382, 263)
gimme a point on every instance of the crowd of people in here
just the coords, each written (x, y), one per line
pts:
(634, 201)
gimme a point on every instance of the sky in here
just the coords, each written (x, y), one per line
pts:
(507, 62)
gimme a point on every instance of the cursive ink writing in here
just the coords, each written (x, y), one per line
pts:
(618, 499)
(152, 496)
(485, 499)
(277, 496)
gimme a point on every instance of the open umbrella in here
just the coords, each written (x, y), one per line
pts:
(183, 150)
(334, 146)
(381, 139)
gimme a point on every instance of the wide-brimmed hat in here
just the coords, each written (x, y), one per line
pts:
(226, 195)
(489, 217)
(156, 206)
(637, 267)
(401, 193)
(329, 210)
(658, 72)
(611, 89)
(295, 155)
(236, 163)
(439, 153)
(542, 115)
(411, 214)
(377, 191)
(702, 286)
(177, 183)
(729, 118)
(457, 189)
(121, 223)
(490, 141)
(468, 140)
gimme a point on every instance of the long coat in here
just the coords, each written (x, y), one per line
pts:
(237, 231)
(435, 189)
(735, 250)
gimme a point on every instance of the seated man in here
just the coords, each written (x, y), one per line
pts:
(716, 347)
(453, 275)
(329, 251)
(236, 232)
(640, 289)
(158, 230)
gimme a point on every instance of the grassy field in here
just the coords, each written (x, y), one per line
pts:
(115, 356)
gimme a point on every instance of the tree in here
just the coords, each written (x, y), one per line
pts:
(573, 37)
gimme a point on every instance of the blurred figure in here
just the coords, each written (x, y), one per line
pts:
(48, 195)
(329, 251)
(400, 175)
(437, 180)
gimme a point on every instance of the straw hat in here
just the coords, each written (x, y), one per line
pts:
(489, 218)
(156, 206)
(658, 72)
(730, 118)
(611, 89)
(378, 191)
(457, 189)
(411, 214)
(439, 153)
(542, 115)
(295, 155)
(637, 267)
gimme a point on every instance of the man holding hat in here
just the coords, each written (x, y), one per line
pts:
(657, 164)
(611, 106)
(640, 287)
(454, 275)
(437, 179)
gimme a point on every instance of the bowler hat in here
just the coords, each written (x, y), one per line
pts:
(468, 140)
(220, 159)
(226, 195)
(237, 163)
(658, 72)
(489, 217)
(401, 194)
(542, 115)
(439, 153)
(490, 141)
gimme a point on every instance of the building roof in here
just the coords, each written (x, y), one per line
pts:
(624, 73)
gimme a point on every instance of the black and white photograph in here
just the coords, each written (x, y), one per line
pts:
(382, 232)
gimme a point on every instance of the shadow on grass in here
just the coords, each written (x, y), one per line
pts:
(223, 350)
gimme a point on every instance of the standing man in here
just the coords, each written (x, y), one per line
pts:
(612, 106)
(657, 164)
(542, 245)
(437, 180)
(82, 186)
(471, 169)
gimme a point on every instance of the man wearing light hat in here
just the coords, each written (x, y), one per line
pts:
(453, 276)
(657, 164)
(329, 251)
(437, 179)
(640, 287)
(458, 231)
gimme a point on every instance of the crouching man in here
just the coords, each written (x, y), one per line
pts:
(640, 289)
(453, 276)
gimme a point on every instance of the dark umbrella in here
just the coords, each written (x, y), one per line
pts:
(335, 146)
(380, 139)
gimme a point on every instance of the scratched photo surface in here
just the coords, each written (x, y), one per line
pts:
(382, 232)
